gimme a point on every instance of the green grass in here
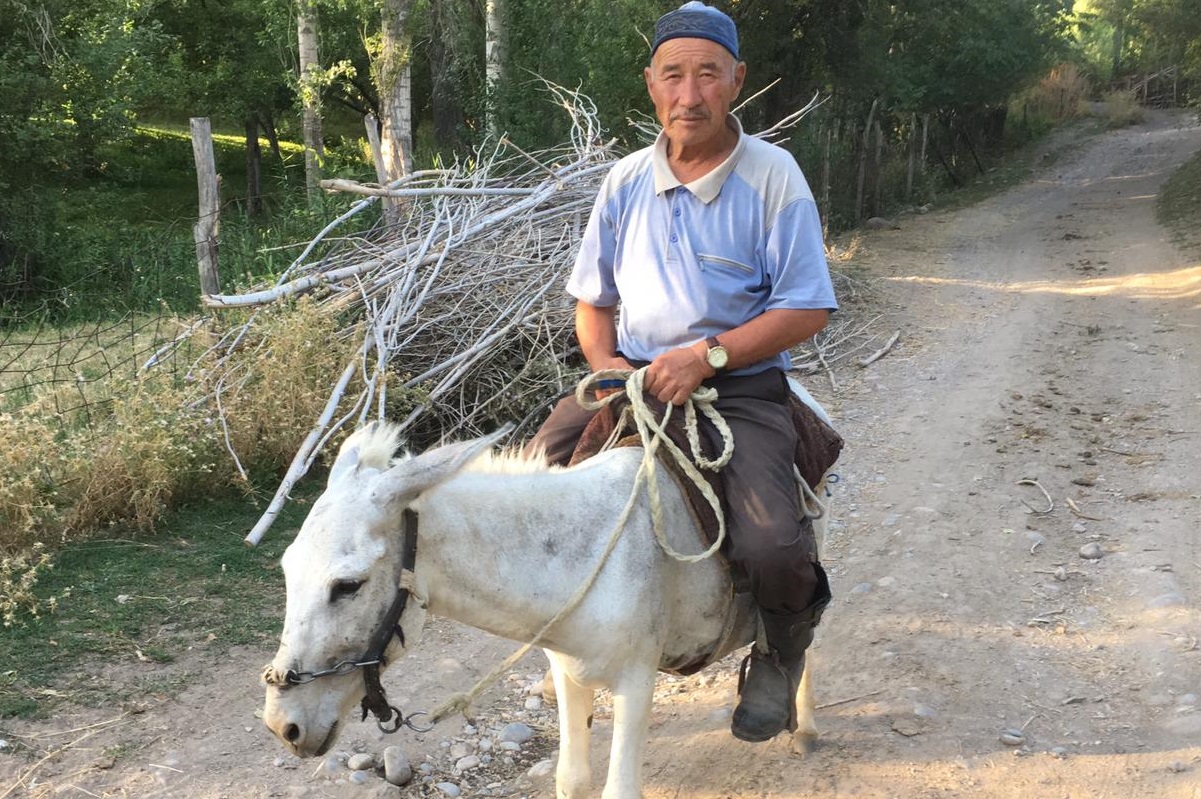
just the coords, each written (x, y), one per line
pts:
(144, 602)
(1179, 203)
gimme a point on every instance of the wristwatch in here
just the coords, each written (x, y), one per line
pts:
(717, 356)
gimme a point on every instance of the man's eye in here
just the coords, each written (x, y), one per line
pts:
(344, 588)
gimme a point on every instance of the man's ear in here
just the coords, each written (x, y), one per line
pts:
(739, 77)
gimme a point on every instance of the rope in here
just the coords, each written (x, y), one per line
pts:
(652, 434)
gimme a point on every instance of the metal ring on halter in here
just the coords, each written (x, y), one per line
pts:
(409, 722)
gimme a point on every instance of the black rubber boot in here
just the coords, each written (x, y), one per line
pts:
(767, 683)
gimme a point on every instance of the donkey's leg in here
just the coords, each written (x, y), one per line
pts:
(804, 740)
(632, 696)
(573, 776)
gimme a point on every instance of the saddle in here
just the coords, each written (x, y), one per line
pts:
(818, 446)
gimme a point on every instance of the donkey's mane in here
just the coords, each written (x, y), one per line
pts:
(378, 445)
(510, 461)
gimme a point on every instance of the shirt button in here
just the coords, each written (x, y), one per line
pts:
(676, 212)
(674, 238)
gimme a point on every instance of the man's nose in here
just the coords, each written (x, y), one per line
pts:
(690, 92)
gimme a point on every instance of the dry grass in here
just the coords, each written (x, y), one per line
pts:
(1060, 95)
(81, 456)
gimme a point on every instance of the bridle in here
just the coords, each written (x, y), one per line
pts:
(388, 717)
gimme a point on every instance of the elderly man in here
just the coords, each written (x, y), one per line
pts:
(710, 242)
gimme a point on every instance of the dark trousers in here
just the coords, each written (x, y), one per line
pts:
(763, 511)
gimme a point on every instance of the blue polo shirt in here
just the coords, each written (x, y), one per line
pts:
(689, 261)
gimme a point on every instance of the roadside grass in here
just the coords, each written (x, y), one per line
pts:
(135, 604)
(1178, 205)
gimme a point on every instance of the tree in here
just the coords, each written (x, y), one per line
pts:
(393, 77)
(310, 95)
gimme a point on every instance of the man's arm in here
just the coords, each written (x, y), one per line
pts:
(675, 374)
(596, 329)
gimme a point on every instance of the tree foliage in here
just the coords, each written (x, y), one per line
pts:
(75, 75)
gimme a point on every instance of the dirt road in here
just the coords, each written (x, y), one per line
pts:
(1050, 334)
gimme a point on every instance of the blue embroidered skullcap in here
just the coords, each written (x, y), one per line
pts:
(695, 20)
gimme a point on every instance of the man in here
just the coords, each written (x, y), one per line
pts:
(711, 242)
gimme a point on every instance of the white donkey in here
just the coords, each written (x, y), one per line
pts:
(502, 544)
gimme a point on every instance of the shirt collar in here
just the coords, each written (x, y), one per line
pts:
(707, 187)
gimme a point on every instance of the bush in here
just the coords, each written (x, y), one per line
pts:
(1122, 109)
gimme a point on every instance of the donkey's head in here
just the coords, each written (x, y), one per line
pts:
(342, 574)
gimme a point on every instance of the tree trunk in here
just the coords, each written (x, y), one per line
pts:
(254, 167)
(272, 134)
(310, 96)
(394, 82)
(863, 153)
(389, 206)
(494, 59)
(447, 107)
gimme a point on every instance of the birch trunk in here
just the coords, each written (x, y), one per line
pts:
(394, 81)
(310, 94)
(494, 58)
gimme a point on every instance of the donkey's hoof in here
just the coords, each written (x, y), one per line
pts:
(804, 743)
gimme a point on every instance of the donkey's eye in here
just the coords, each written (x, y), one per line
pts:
(344, 588)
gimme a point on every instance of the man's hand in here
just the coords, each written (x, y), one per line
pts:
(674, 375)
(618, 363)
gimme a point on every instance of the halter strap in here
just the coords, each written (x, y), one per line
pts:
(375, 701)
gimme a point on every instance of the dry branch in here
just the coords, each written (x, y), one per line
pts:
(880, 353)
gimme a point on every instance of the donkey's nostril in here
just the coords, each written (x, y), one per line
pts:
(292, 733)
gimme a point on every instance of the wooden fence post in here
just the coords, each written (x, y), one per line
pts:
(912, 156)
(867, 141)
(827, 134)
(208, 226)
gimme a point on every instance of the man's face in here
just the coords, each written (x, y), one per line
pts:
(692, 83)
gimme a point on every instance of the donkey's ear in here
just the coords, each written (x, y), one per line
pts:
(346, 462)
(380, 439)
(406, 480)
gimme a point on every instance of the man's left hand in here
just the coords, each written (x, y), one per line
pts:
(674, 375)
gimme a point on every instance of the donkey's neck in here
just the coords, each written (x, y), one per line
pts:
(505, 553)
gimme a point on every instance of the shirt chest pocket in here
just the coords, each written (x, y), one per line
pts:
(720, 262)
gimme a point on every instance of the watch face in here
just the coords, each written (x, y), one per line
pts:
(718, 357)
